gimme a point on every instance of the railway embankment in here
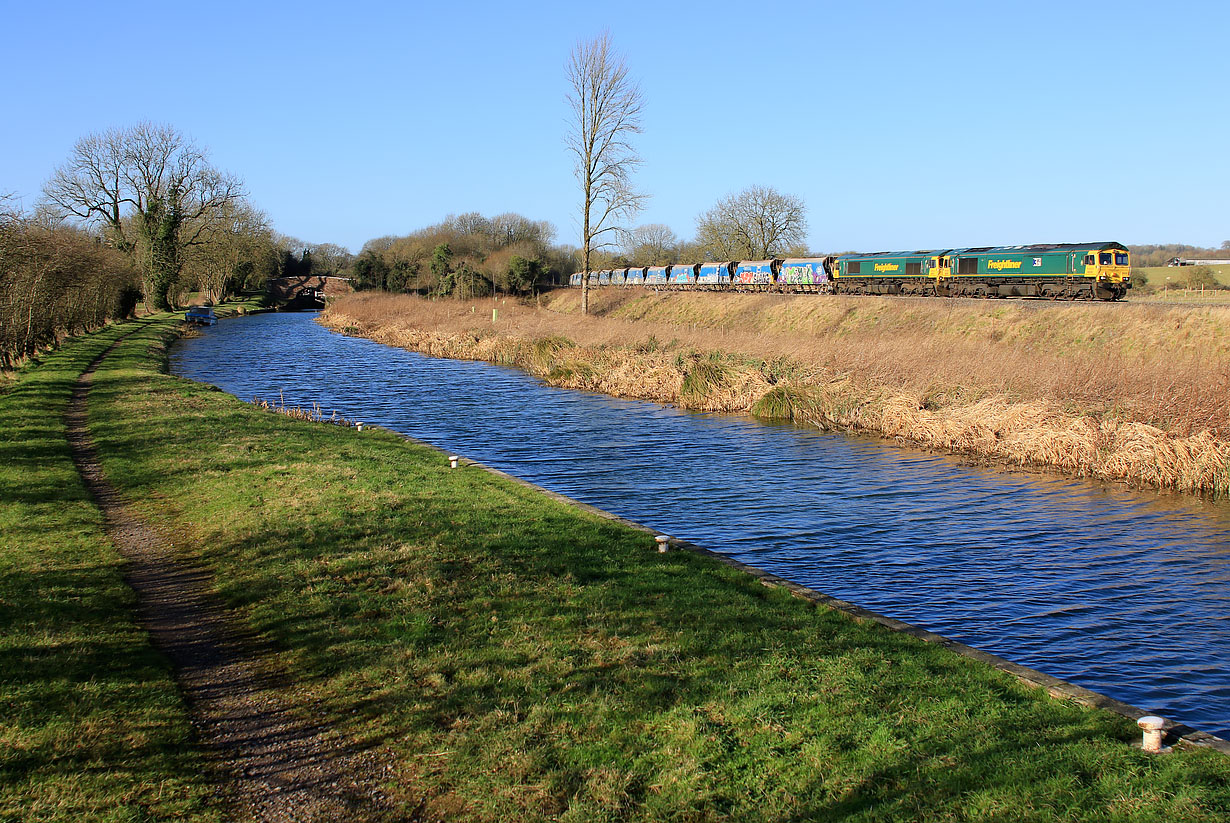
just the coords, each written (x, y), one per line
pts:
(500, 654)
(1132, 392)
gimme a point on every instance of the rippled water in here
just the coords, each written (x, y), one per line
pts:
(1123, 591)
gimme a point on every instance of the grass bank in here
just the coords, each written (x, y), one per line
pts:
(514, 658)
(1126, 392)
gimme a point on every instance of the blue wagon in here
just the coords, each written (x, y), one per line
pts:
(758, 275)
(682, 275)
(804, 274)
(657, 275)
(715, 275)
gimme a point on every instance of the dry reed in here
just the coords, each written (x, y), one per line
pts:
(1133, 392)
(314, 414)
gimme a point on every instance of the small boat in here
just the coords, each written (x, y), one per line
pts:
(201, 315)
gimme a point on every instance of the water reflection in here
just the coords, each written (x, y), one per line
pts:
(1123, 591)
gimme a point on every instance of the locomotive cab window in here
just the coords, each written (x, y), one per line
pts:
(1104, 258)
(1088, 259)
(1121, 258)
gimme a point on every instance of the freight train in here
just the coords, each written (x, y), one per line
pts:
(1061, 271)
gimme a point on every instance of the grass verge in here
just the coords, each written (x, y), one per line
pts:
(517, 659)
(92, 726)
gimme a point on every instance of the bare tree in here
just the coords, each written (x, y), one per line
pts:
(238, 239)
(606, 107)
(653, 244)
(756, 223)
(152, 191)
(329, 258)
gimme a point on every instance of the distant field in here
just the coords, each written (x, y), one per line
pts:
(1171, 278)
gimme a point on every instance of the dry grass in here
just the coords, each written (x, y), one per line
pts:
(312, 414)
(1138, 392)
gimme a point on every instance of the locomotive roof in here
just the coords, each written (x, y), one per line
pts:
(919, 253)
(1104, 246)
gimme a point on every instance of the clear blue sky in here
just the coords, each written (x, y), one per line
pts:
(900, 124)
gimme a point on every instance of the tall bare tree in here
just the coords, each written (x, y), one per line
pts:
(152, 191)
(606, 110)
(756, 223)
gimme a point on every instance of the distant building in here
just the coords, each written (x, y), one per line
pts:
(307, 292)
(1183, 261)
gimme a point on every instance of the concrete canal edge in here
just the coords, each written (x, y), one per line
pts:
(1174, 732)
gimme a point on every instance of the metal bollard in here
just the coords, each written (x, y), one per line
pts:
(664, 543)
(452, 461)
(1152, 726)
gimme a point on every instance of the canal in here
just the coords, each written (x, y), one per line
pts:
(1123, 591)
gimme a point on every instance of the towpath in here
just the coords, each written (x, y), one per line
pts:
(271, 763)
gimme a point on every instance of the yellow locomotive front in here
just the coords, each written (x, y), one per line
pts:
(1110, 269)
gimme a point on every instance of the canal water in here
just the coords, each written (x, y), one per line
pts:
(1123, 591)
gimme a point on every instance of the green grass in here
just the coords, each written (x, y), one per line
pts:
(517, 659)
(92, 726)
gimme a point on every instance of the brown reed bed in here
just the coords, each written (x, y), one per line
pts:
(1132, 392)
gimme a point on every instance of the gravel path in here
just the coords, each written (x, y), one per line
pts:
(271, 764)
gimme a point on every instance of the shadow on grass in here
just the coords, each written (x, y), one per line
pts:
(525, 659)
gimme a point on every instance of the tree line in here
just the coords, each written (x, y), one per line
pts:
(466, 256)
(135, 215)
(1146, 256)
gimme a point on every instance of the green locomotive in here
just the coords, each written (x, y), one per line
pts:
(1059, 271)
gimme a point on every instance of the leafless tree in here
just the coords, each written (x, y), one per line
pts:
(511, 228)
(606, 109)
(653, 244)
(153, 193)
(239, 237)
(756, 223)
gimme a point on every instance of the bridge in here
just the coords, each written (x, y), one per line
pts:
(307, 292)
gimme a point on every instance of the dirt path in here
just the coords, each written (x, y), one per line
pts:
(272, 765)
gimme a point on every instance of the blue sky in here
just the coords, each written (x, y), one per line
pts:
(901, 125)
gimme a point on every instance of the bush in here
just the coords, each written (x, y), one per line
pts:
(1196, 277)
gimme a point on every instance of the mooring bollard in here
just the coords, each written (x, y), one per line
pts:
(358, 426)
(1152, 726)
(664, 543)
(452, 461)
